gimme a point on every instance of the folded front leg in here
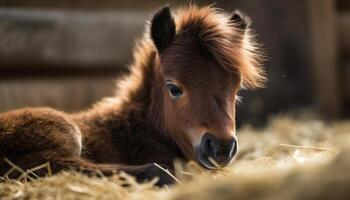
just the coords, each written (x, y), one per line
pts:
(142, 173)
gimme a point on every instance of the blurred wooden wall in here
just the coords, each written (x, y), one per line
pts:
(62, 58)
(330, 48)
(66, 54)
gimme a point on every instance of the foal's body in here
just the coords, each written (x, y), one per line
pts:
(31, 137)
(177, 102)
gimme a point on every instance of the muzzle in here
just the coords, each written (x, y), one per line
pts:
(219, 150)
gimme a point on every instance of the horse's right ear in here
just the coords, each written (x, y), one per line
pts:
(163, 29)
(240, 20)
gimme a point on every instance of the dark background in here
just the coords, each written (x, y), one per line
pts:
(67, 53)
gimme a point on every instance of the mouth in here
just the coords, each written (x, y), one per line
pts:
(205, 162)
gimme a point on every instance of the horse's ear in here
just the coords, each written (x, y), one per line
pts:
(240, 20)
(163, 28)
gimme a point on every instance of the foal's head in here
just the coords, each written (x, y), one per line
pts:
(205, 56)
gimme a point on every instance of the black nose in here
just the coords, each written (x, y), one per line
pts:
(222, 151)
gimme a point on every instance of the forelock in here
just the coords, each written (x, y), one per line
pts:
(233, 49)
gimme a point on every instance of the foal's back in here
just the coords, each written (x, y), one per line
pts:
(31, 137)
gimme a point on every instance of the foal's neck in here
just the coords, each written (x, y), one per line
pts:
(137, 93)
(130, 121)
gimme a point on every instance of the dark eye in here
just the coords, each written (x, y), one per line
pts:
(175, 92)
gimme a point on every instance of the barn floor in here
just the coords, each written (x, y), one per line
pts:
(292, 158)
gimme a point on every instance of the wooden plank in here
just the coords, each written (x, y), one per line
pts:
(344, 33)
(69, 94)
(346, 86)
(324, 56)
(90, 4)
(38, 37)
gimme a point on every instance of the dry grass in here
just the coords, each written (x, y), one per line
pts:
(289, 159)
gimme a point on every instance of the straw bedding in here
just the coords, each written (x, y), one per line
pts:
(291, 158)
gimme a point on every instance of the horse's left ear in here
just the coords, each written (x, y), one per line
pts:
(163, 28)
(240, 20)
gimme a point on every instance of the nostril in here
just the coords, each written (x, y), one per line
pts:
(211, 147)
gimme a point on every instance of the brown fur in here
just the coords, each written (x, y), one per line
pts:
(210, 57)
